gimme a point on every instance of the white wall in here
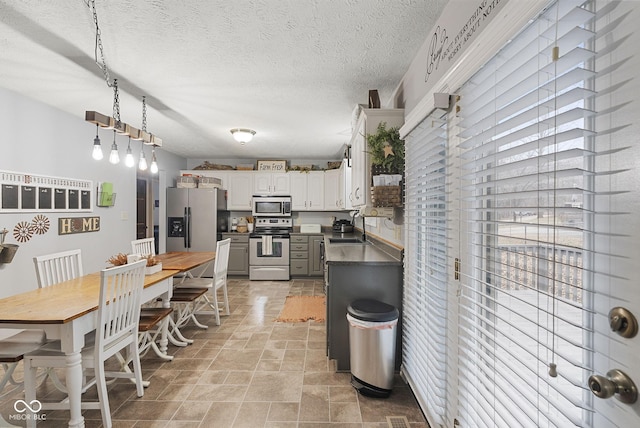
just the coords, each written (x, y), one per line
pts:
(38, 139)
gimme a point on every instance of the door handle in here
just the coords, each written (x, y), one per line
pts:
(617, 384)
(186, 228)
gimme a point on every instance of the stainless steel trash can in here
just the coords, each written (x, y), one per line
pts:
(372, 346)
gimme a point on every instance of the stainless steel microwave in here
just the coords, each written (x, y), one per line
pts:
(271, 206)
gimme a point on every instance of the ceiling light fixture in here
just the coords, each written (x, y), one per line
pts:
(97, 149)
(114, 122)
(242, 135)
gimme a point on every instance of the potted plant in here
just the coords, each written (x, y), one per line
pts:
(387, 150)
(153, 265)
(387, 166)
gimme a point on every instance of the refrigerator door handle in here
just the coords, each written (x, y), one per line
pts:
(188, 209)
(186, 228)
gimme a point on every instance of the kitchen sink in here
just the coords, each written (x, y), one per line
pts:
(345, 241)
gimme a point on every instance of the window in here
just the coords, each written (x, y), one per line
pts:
(425, 351)
(526, 301)
(532, 191)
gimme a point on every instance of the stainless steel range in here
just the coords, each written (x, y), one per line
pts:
(269, 248)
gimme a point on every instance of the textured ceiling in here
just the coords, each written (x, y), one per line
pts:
(293, 70)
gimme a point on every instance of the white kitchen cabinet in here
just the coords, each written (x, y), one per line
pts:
(368, 121)
(239, 190)
(332, 189)
(337, 187)
(345, 186)
(307, 190)
(271, 183)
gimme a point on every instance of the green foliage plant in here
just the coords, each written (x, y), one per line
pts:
(376, 143)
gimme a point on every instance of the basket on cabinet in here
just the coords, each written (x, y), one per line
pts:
(386, 196)
(187, 182)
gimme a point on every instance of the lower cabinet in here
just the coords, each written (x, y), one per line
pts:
(238, 253)
(305, 255)
(347, 282)
(316, 265)
(299, 255)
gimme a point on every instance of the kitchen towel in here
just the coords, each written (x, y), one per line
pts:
(267, 245)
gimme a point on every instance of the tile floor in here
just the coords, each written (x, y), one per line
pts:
(249, 372)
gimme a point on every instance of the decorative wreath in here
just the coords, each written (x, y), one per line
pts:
(23, 231)
(40, 224)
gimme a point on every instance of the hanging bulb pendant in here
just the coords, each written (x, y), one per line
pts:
(114, 157)
(142, 164)
(97, 148)
(154, 162)
(128, 159)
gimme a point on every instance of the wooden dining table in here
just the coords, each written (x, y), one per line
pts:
(185, 261)
(67, 311)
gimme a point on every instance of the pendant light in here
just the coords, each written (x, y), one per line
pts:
(114, 122)
(154, 162)
(114, 157)
(128, 159)
(97, 149)
(142, 164)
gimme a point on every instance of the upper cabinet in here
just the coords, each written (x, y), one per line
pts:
(368, 122)
(337, 187)
(332, 189)
(271, 183)
(310, 191)
(238, 184)
(307, 190)
(239, 190)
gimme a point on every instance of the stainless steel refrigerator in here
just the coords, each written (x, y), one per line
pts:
(194, 216)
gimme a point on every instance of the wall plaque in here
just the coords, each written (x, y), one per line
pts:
(67, 226)
(272, 165)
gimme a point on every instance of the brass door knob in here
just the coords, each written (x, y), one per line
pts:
(617, 384)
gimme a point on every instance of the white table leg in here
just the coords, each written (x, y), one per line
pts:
(164, 332)
(74, 388)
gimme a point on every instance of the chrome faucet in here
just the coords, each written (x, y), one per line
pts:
(355, 214)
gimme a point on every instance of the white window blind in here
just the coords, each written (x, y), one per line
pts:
(425, 350)
(527, 169)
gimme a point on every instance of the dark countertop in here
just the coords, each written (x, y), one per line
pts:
(369, 252)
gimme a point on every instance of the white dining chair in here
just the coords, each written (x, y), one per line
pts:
(116, 330)
(152, 317)
(58, 267)
(13, 345)
(217, 282)
(145, 246)
(52, 269)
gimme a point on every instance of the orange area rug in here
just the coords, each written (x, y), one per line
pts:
(303, 308)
